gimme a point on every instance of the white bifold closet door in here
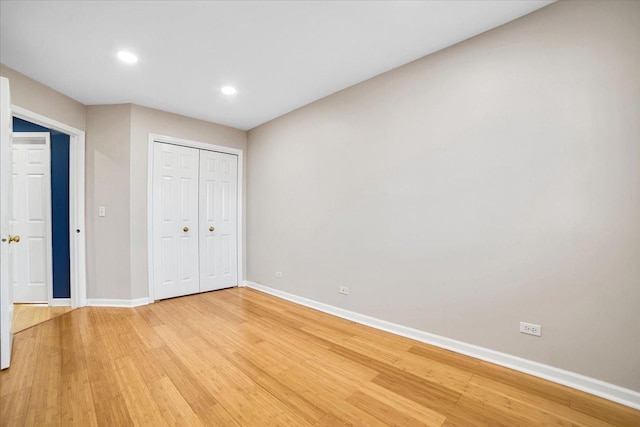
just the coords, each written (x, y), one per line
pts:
(218, 220)
(195, 202)
(175, 213)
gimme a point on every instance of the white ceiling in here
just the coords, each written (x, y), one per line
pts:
(279, 55)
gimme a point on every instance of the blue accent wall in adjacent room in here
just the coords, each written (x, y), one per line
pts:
(59, 204)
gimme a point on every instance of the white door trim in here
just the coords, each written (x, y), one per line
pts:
(77, 242)
(203, 146)
(17, 136)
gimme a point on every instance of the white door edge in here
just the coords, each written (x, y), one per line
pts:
(6, 286)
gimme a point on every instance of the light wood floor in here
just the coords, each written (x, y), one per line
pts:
(28, 315)
(240, 357)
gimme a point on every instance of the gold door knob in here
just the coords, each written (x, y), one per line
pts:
(14, 239)
(185, 229)
(212, 228)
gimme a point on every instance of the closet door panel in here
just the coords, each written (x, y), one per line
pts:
(218, 224)
(208, 239)
(228, 230)
(175, 216)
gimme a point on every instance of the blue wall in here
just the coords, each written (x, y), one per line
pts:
(59, 204)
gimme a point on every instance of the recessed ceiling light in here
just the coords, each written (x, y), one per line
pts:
(127, 57)
(228, 90)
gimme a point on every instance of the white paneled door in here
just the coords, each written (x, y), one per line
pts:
(175, 221)
(8, 241)
(218, 220)
(195, 229)
(32, 216)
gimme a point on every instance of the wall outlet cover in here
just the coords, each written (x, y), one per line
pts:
(531, 329)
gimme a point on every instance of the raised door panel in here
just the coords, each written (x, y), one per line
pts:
(175, 217)
(218, 223)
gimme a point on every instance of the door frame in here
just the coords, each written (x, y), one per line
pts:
(77, 243)
(17, 136)
(153, 138)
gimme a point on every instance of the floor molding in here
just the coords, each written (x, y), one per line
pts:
(589, 385)
(60, 302)
(103, 302)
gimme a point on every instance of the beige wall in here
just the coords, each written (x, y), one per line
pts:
(143, 122)
(107, 184)
(28, 93)
(494, 182)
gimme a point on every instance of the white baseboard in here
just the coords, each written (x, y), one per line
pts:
(589, 385)
(100, 302)
(60, 302)
(140, 301)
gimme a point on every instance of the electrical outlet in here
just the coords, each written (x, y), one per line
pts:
(343, 290)
(530, 329)
(279, 274)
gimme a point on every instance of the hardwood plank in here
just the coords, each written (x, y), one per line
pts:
(257, 407)
(604, 410)
(13, 409)
(25, 351)
(240, 358)
(385, 413)
(406, 406)
(417, 389)
(45, 402)
(435, 372)
(275, 385)
(141, 404)
(329, 396)
(110, 405)
(27, 315)
(538, 409)
(174, 409)
(201, 401)
(77, 405)
(530, 384)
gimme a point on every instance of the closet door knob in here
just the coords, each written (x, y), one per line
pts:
(212, 228)
(185, 229)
